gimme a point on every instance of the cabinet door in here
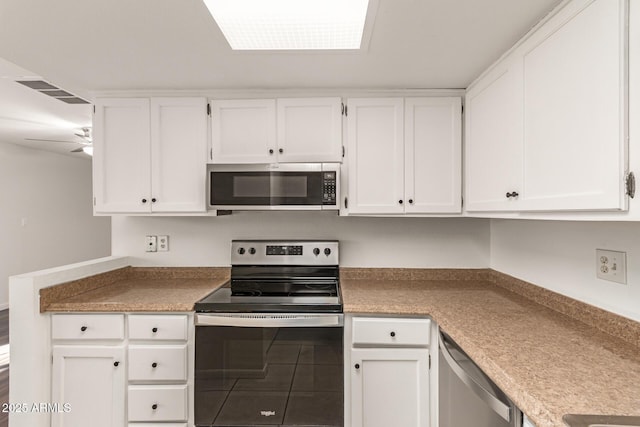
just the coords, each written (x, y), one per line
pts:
(244, 131)
(375, 133)
(389, 388)
(86, 378)
(433, 156)
(178, 154)
(575, 130)
(309, 130)
(493, 148)
(121, 166)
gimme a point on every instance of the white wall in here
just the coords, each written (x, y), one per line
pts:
(364, 242)
(46, 216)
(560, 256)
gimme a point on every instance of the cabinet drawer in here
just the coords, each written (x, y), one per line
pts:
(158, 363)
(158, 403)
(391, 332)
(158, 327)
(157, 425)
(87, 326)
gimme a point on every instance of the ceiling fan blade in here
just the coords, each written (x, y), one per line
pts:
(51, 140)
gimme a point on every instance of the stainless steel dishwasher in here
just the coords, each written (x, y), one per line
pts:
(467, 397)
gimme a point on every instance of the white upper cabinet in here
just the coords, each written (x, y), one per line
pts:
(121, 167)
(150, 155)
(574, 111)
(433, 155)
(404, 155)
(178, 150)
(309, 129)
(547, 128)
(243, 131)
(297, 130)
(494, 140)
(375, 135)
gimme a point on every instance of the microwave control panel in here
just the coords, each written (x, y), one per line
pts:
(329, 188)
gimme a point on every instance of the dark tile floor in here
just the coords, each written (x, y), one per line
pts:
(4, 367)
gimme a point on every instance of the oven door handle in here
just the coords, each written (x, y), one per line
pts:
(270, 320)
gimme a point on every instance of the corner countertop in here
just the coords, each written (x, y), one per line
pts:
(550, 354)
(548, 363)
(134, 289)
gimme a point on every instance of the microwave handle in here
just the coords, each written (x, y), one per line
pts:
(266, 320)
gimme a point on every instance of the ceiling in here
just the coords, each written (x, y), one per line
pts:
(86, 46)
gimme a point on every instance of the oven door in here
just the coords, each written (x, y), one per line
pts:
(269, 369)
(271, 187)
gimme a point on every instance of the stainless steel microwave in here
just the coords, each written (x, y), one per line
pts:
(281, 186)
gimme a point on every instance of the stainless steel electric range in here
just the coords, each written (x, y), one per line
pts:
(269, 343)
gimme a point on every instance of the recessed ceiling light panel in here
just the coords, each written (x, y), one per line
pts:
(290, 24)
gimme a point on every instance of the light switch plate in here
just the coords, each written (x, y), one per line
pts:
(611, 265)
(151, 244)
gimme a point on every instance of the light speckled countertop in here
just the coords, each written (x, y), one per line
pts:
(548, 363)
(550, 354)
(135, 289)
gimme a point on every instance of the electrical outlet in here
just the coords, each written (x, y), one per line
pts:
(611, 265)
(151, 244)
(163, 243)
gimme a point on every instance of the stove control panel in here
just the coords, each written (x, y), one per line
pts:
(269, 252)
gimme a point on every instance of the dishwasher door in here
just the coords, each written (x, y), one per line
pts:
(467, 397)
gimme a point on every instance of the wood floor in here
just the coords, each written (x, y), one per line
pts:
(4, 368)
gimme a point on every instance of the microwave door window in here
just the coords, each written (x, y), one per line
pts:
(245, 189)
(290, 188)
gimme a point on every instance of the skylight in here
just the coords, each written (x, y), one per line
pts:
(290, 24)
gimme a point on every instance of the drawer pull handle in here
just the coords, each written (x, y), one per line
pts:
(154, 365)
(83, 328)
(154, 330)
(116, 363)
(357, 366)
(393, 334)
(154, 406)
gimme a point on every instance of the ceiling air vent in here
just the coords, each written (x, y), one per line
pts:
(53, 91)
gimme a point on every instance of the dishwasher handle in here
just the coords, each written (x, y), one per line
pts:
(497, 405)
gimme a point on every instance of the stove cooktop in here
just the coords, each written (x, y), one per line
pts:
(279, 277)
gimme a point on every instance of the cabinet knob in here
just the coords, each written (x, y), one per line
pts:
(154, 365)
(154, 330)
(270, 150)
(393, 334)
(512, 194)
(281, 151)
(144, 200)
(357, 366)
(154, 406)
(153, 200)
(83, 328)
(400, 201)
(116, 363)
(410, 201)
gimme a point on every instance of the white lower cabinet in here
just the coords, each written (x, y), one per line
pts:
(114, 369)
(388, 372)
(88, 383)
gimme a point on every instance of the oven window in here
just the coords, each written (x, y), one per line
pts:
(266, 188)
(268, 376)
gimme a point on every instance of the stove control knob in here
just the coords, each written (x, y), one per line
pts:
(327, 251)
(241, 251)
(252, 251)
(316, 251)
